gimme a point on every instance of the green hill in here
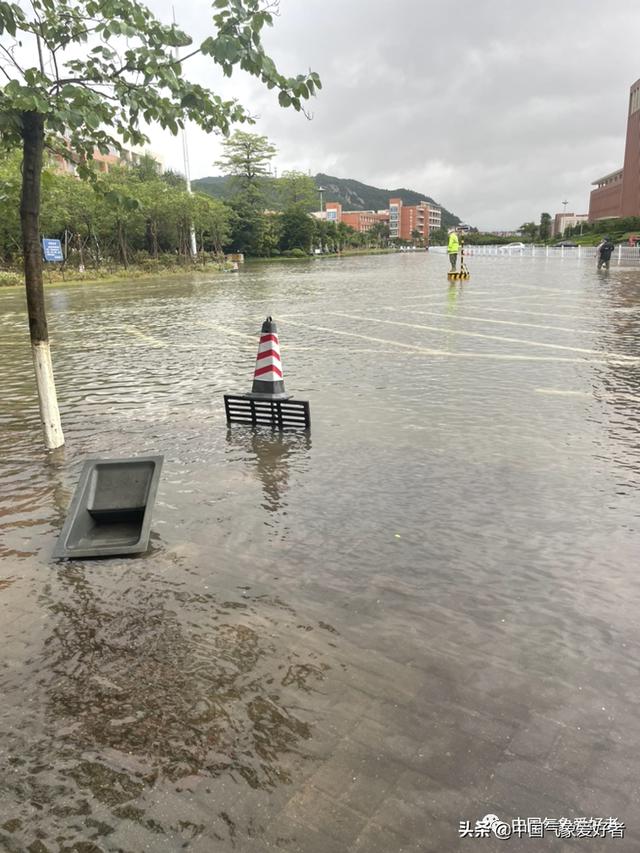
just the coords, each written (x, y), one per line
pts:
(215, 186)
(352, 195)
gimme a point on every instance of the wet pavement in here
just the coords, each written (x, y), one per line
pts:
(421, 613)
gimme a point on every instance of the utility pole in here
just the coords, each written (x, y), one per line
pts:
(320, 190)
(187, 173)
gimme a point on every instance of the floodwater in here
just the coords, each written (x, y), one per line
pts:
(423, 612)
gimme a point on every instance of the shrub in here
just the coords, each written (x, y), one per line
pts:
(9, 278)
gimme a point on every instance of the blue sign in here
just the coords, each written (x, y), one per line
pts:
(52, 250)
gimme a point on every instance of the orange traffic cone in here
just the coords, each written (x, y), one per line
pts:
(268, 404)
(268, 381)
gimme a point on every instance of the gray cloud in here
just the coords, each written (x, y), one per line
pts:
(497, 110)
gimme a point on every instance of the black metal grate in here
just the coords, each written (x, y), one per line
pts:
(279, 414)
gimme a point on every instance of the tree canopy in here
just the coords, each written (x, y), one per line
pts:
(130, 71)
(246, 158)
(544, 230)
(297, 189)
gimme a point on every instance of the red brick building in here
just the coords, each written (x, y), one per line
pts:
(630, 205)
(404, 220)
(360, 220)
(333, 211)
(363, 220)
(618, 193)
(606, 199)
(408, 220)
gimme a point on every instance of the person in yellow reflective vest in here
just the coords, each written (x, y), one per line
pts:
(453, 248)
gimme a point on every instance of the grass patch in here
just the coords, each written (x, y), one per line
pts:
(15, 278)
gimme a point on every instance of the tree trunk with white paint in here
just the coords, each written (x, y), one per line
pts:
(33, 148)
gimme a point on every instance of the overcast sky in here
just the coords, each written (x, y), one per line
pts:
(498, 110)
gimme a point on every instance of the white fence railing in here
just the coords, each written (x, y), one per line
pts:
(530, 250)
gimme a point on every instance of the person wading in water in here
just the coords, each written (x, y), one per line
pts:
(453, 248)
(604, 251)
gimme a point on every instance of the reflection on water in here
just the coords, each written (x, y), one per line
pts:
(427, 613)
(454, 293)
(271, 453)
(32, 500)
(618, 384)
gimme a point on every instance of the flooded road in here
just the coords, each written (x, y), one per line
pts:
(423, 612)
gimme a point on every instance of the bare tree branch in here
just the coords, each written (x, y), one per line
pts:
(188, 56)
(80, 81)
(12, 58)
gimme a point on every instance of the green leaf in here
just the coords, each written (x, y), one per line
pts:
(7, 19)
(207, 47)
(93, 120)
(189, 100)
(284, 99)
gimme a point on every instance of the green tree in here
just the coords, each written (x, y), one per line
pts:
(544, 231)
(94, 71)
(297, 229)
(297, 189)
(529, 230)
(147, 168)
(158, 201)
(183, 213)
(438, 237)
(247, 226)
(68, 212)
(174, 179)
(344, 235)
(246, 159)
(119, 213)
(10, 180)
(379, 233)
(324, 235)
(211, 220)
(331, 235)
(270, 234)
